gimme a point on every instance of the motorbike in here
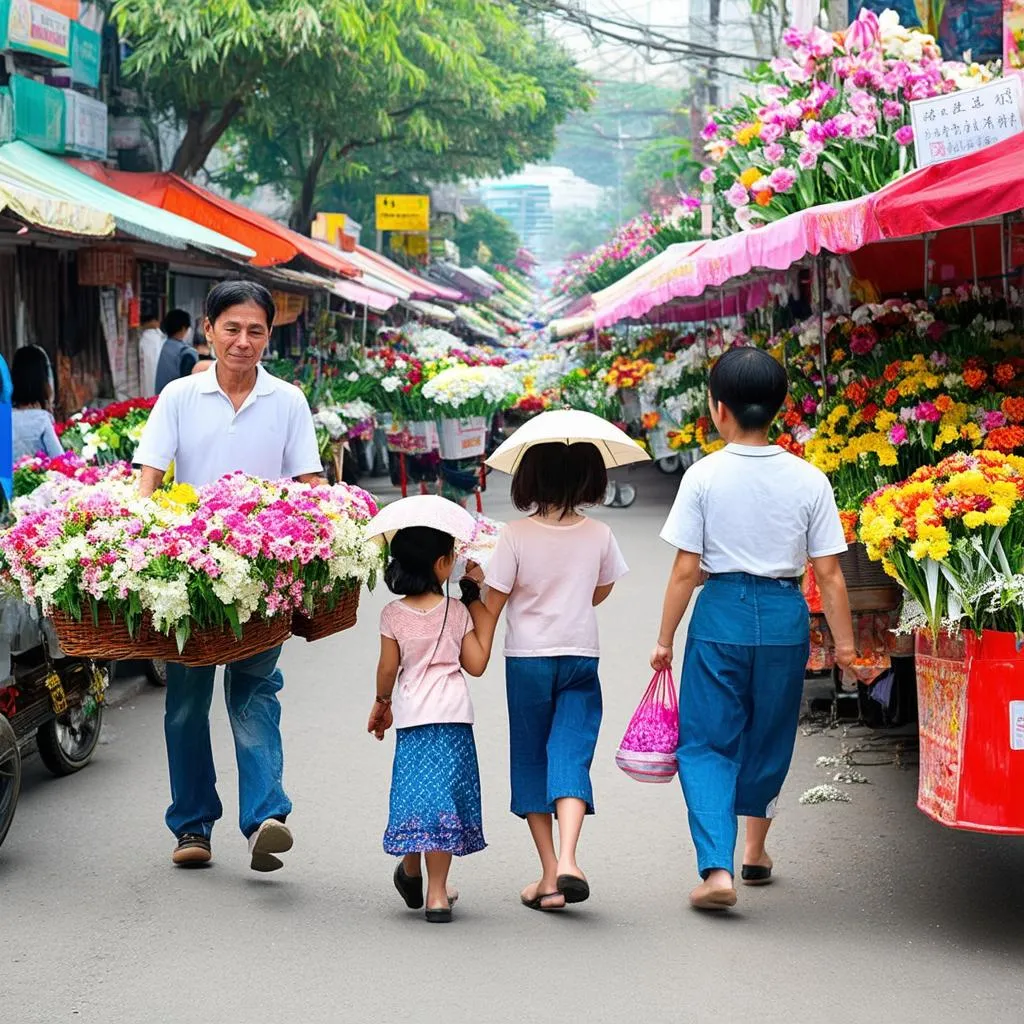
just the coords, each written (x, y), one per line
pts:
(57, 704)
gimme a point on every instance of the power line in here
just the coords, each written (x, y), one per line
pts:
(643, 36)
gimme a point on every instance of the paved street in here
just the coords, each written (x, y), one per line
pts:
(877, 915)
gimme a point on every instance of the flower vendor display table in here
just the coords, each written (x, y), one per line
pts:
(971, 712)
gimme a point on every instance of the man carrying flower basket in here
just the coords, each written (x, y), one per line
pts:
(236, 417)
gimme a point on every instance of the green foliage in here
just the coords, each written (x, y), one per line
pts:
(203, 62)
(477, 94)
(482, 226)
(664, 168)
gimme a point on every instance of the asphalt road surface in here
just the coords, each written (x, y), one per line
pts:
(877, 914)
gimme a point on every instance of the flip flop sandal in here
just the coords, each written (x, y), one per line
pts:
(537, 903)
(575, 890)
(409, 888)
(755, 874)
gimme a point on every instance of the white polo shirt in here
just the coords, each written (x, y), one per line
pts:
(195, 426)
(758, 510)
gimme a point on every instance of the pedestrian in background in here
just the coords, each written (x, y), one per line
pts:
(31, 420)
(427, 640)
(151, 341)
(553, 569)
(177, 357)
(750, 516)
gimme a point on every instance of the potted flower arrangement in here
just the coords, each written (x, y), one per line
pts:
(828, 124)
(463, 399)
(953, 535)
(398, 392)
(107, 435)
(200, 577)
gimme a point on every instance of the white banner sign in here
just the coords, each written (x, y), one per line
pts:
(85, 125)
(947, 127)
(115, 333)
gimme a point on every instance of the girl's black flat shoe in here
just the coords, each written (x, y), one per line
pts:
(755, 874)
(409, 888)
(440, 915)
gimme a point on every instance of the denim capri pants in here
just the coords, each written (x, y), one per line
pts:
(554, 715)
(739, 706)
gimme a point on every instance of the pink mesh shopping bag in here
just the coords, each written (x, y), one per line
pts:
(648, 750)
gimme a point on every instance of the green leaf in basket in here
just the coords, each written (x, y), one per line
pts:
(232, 613)
(181, 634)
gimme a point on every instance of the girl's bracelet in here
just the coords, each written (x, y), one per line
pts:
(384, 700)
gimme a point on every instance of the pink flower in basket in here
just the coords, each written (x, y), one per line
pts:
(647, 752)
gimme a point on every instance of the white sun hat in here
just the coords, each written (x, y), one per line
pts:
(568, 426)
(422, 510)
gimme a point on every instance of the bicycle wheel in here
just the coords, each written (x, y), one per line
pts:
(625, 497)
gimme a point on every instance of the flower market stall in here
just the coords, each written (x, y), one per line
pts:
(914, 407)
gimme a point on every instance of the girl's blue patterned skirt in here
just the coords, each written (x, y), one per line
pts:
(435, 792)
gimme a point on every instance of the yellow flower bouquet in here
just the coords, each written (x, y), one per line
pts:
(953, 535)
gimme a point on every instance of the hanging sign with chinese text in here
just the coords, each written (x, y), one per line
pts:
(951, 126)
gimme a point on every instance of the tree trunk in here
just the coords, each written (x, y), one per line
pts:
(301, 219)
(189, 144)
(201, 137)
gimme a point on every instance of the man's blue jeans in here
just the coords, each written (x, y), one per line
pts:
(250, 691)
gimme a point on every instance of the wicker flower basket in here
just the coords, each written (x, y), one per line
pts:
(860, 572)
(110, 640)
(324, 622)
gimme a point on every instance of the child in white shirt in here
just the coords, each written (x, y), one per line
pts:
(750, 517)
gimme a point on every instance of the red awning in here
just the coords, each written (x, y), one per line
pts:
(963, 191)
(274, 243)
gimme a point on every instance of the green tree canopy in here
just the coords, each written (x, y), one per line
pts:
(205, 62)
(484, 227)
(486, 97)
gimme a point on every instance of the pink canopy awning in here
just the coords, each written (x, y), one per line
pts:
(688, 270)
(379, 302)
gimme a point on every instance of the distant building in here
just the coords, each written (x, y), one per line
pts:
(526, 207)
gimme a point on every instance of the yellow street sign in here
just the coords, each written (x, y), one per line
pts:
(403, 213)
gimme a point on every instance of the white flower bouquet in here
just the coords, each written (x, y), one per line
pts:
(464, 391)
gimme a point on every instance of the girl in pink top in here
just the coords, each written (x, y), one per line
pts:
(427, 639)
(552, 570)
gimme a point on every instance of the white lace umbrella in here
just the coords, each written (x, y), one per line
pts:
(568, 426)
(423, 510)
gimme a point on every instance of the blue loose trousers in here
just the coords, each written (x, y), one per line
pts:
(251, 687)
(554, 716)
(739, 706)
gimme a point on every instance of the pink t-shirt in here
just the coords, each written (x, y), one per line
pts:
(550, 574)
(431, 689)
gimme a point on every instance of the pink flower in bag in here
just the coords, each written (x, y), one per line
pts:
(648, 750)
